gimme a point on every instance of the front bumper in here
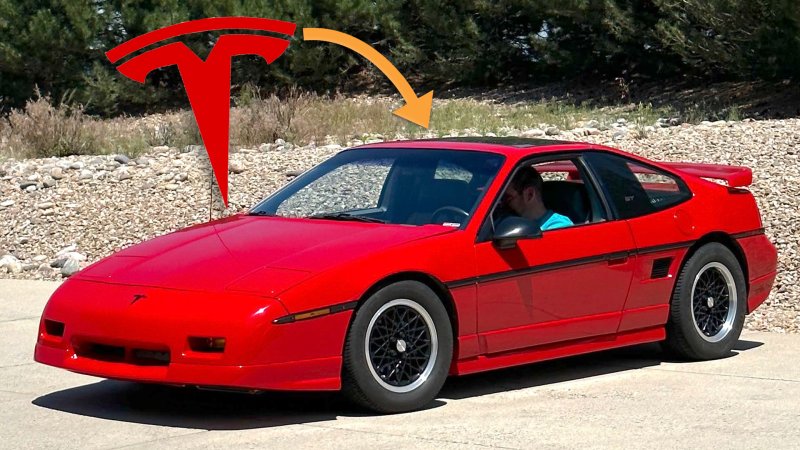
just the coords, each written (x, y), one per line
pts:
(143, 334)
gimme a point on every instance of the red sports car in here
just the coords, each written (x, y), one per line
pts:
(391, 266)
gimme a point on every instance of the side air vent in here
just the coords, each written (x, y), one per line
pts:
(660, 267)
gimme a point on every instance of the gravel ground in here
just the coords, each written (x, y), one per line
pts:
(60, 214)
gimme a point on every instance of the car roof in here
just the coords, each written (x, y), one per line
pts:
(503, 145)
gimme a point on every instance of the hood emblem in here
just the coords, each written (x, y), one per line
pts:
(137, 297)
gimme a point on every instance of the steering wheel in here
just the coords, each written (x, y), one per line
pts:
(455, 212)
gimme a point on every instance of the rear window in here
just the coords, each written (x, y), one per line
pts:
(635, 189)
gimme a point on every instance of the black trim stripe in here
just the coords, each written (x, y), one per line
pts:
(331, 310)
(585, 260)
(750, 233)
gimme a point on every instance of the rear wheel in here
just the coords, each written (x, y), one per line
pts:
(708, 305)
(398, 349)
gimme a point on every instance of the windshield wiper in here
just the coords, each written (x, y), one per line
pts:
(346, 216)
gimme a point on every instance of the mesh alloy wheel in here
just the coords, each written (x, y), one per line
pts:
(402, 345)
(714, 302)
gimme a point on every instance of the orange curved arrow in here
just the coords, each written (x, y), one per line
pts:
(417, 109)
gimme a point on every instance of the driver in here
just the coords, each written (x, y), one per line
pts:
(524, 197)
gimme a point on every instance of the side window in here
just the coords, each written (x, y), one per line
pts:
(564, 192)
(635, 189)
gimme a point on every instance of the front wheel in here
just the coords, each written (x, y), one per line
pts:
(708, 305)
(398, 349)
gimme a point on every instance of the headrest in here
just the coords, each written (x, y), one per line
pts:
(568, 198)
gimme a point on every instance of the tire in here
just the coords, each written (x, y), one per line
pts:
(708, 305)
(403, 325)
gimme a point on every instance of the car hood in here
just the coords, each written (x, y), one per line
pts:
(264, 255)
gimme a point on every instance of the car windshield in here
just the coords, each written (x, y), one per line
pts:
(396, 186)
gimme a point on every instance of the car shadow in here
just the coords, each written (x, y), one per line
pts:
(215, 410)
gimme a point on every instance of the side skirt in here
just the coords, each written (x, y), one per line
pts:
(560, 350)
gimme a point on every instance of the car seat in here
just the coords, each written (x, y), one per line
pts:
(568, 198)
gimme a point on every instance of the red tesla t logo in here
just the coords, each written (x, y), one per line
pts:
(207, 83)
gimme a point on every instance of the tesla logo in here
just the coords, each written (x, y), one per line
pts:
(137, 297)
(207, 83)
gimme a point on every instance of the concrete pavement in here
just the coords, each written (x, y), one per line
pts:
(630, 398)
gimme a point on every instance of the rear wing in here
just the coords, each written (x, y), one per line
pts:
(733, 176)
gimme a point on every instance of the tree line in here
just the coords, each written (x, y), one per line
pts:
(57, 46)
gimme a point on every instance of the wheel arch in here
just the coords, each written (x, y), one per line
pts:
(432, 282)
(725, 239)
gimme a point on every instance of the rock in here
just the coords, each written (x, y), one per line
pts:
(142, 161)
(57, 173)
(70, 267)
(27, 267)
(123, 175)
(592, 124)
(68, 249)
(593, 131)
(181, 177)
(45, 270)
(122, 159)
(14, 267)
(39, 258)
(192, 148)
(622, 121)
(85, 174)
(171, 187)
(619, 135)
(552, 131)
(48, 182)
(293, 173)
(10, 263)
(26, 184)
(58, 262)
(265, 147)
(78, 165)
(23, 240)
(235, 167)
(6, 203)
(30, 188)
(161, 148)
(532, 132)
(74, 255)
(45, 205)
(149, 184)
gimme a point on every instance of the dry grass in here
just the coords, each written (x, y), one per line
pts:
(42, 129)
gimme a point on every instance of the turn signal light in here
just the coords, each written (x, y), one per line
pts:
(207, 344)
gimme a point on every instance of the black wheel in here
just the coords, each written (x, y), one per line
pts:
(708, 305)
(398, 349)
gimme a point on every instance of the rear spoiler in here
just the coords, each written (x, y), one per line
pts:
(733, 176)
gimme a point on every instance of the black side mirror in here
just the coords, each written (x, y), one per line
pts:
(511, 229)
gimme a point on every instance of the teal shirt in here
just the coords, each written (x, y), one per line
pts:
(552, 220)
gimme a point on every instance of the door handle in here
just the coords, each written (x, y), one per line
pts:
(617, 260)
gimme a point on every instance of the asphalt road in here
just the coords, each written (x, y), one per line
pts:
(631, 398)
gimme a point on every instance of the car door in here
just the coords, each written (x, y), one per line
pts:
(650, 201)
(570, 283)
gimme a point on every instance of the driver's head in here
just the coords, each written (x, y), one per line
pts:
(524, 193)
